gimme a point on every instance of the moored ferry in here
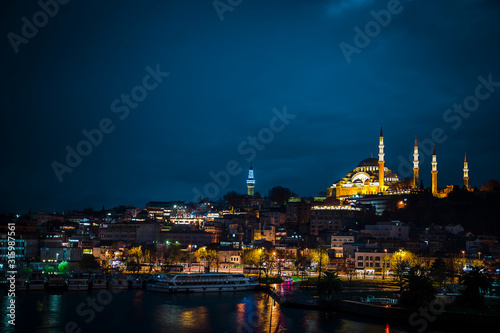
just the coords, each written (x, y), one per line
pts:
(209, 282)
(98, 281)
(78, 281)
(55, 282)
(21, 283)
(36, 281)
(134, 281)
(118, 281)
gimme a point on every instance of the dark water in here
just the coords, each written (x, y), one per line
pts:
(147, 311)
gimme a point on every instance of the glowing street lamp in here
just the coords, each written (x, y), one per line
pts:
(189, 258)
(383, 264)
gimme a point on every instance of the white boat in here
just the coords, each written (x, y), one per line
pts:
(118, 281)
(98, 281)
(78, 281)
(134, 281)
(36, 281)
(209, 282)
(55, 282)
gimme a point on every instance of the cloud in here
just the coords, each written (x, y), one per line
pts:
(338, 6)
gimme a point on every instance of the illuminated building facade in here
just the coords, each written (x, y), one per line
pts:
(415, 164)
(332, 218)
(466, 173)
(371, 176)
(434, 172)
(250, 182)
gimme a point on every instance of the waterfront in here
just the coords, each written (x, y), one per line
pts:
(145, 311)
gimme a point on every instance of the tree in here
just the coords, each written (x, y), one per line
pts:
(281, 256)
(401, 262)
(319, 259)
(213, 257)
(280, 194)
(88, 262)
(439, 271)
(476, 283)
(150, 256)
(48, 270)
(136, 254)
(26, 272)
(209, 256)
(105, 266)
(263, 259)
(417, 288)
(233, 198)
(350, 269)
(296, 260)
(172, 255)
(331, 284)
(63, 267)
(201, 254)
(456, 267)
(250, 257)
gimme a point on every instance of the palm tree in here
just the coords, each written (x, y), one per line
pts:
(475, 282)
(417, 288)
(331, 284)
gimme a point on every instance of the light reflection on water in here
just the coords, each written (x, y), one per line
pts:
(260, 313)
(145, 311)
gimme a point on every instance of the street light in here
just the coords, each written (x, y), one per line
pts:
(383, 265)
(275, 261)
(189, 258)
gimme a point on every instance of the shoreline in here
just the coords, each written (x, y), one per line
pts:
(397, 314)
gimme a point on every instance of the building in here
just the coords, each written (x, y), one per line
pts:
(371, 176)
(216, 228)
(381, 203)
(298, 212)
(160, 211)
(337, 243)
(189, 237)
(229, 257)
(59, 254)
(388, 230)
(192, 222)
(250, 182)
(269, 233)
(332, 218)
(26, 243)
(373, 261)
(272, 216)
(130, 232)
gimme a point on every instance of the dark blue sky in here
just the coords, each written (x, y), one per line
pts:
(225, 78)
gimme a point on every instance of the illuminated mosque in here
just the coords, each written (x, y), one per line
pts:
(369, 179)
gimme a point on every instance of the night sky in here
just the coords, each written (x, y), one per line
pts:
(205, 79)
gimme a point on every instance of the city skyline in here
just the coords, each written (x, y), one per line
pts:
(297, 89)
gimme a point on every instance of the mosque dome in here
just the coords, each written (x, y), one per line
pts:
(368, 162)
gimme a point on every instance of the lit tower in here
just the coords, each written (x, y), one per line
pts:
(434, 172)
(415, 164)
(250, 181)
(381, 161)
(466, 172)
